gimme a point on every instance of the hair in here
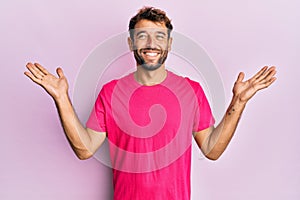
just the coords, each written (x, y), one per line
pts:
(152, 14)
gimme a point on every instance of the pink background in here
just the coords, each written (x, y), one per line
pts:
(263, 160)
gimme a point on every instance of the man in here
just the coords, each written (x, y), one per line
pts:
(150, 116)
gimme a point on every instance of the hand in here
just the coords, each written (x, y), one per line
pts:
(262, 79)
(56, 87)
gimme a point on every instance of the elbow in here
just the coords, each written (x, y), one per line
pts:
(214, 153)
(212, 158)
(80, 157)
(84, 155)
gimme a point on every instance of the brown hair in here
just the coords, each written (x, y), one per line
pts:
(152, 14)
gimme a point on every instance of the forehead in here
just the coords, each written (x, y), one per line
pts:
(147, 25)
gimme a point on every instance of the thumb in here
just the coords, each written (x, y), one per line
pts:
(240, 77)
(60, 72)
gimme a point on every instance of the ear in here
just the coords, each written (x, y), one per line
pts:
(170, 43)
(130, 43)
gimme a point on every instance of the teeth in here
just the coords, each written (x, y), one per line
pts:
(151, 54)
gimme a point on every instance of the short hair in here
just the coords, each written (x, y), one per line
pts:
(152, 14)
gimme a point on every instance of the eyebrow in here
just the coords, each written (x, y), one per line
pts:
(140, 32)
(159, 32)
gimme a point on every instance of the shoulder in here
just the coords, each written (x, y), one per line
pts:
(194, 84)
(108, 87)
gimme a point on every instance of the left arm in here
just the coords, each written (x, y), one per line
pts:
(213, 141)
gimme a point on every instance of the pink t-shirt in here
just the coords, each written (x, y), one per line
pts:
(149, 130)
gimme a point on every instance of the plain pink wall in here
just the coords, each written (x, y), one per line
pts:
(263, 160)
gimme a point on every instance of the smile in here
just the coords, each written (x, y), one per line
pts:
(151, 54)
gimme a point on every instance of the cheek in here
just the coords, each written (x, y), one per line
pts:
(158, 44)
(139, 44)
(163, 46)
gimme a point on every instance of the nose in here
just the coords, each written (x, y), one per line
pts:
(150, 42)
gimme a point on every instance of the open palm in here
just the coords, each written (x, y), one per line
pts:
(246, 89)
(55, 86)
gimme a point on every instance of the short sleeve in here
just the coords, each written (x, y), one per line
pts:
(96, 119)
(203, 115)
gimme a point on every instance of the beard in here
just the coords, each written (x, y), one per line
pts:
(150, 67)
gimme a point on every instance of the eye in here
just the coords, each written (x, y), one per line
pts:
(141, 36)
(160, 36)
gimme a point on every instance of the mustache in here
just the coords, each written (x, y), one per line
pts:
(151, 49)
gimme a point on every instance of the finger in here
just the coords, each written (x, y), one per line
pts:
(270, 75)
(34, 71)
(60, 72)
(32, 77)
(41, 68)
(266, 84)
(271, 81)
(240, 77)
(267, 75)
(260, 72)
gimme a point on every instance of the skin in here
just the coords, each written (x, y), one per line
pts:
(213, 141)
(143, 75)
(83, 141)
(148, 40)
(150, 71)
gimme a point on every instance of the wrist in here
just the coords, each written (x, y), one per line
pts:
(236, 105)
(62, 98)
(237, 101)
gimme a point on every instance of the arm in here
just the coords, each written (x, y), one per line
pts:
(83, 141)
(213, 141)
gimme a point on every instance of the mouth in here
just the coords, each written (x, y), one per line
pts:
(150, 53)
(150, 58)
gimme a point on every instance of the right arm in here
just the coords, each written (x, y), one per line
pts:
(83, 141)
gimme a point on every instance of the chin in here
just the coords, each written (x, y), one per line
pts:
(151, 67)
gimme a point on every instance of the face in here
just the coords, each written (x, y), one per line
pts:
(150, 44)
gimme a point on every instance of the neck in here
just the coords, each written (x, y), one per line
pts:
(148, 78)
